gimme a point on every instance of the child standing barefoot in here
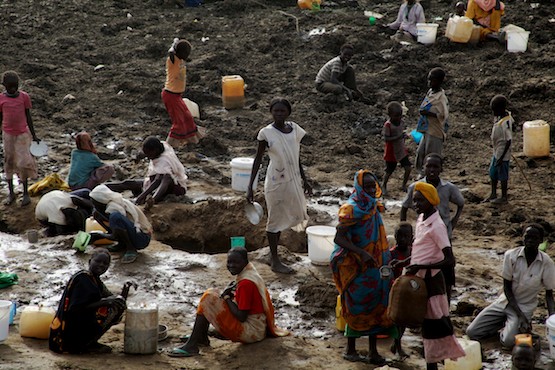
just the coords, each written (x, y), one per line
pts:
(17, 134)
(395, 150)
(183, 130)
(434, 111)
(501, 137)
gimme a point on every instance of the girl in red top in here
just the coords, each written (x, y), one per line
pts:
(395, 150)
(17, 134)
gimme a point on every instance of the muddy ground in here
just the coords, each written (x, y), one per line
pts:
(98, 66)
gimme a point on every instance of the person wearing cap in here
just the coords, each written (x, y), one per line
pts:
(431, 252)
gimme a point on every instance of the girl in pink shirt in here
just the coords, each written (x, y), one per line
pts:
(431, 251)
(17, 134)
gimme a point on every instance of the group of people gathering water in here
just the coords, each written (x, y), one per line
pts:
(243, 312)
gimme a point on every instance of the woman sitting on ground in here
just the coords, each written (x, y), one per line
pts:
(86, 169)
(124, 221)
(243, 312)
(487, 14)
(87, 310)
(165, 176)
(410, 13)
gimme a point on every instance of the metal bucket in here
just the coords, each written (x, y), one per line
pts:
(141, 329)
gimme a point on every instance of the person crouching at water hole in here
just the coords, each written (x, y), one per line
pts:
(165, 175)
(243, 312)
(431, 252)
(361, 248)
(124, 221)
(285, 178)
(87, 310)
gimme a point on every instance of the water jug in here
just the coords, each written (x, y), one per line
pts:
(460, 29)
(475, 35)
(309, 4)
(92, 226)
(35, 322)
(141, 328)
(339, 320)
(233, 92)
(536, 138)
(472, 359)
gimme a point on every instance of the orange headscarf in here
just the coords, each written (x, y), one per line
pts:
(84, 142)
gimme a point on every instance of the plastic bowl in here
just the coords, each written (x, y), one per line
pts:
(254, 212)
(39, 149)
(162, 332)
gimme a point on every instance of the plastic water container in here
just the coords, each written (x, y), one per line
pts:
(241, 169)
(517, 41)
(320, 243)
(233, 92)
(309, 4)
(460, 29)
(471, 361)
(141, 329)
(35, 322)
(92, 226)
(475, 35)
(426, 33)
(193, 107)
(5, 308)
(339, 320)
(536, 138)
(550, 334)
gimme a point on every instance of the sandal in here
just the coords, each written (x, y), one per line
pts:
(178, 352)
(355, 357)
(129, 257)
(185, 338)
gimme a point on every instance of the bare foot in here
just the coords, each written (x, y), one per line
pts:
(376, 359)
(281, 268)
(10, 199)
(489, 199)
(26, 200)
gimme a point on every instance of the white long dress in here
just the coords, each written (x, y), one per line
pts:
(283, 186)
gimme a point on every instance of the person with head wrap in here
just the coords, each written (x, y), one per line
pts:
(431, 251)
(86, 169)
(361, 248)
(125, 222)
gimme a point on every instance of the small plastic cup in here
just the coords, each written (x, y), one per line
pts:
(32, 236)
(372, 20)
(315, 5)
(237, 241)
(82, 239)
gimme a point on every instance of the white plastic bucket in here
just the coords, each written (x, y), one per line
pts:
(193, 107)
(426, 33)
(5, 308)
(241, 169)
(550, 334)
(320, 243)
(517, 41)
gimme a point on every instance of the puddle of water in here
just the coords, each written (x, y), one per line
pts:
(288, 296)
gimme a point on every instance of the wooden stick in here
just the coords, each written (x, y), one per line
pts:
(292, 16)
(522, 172)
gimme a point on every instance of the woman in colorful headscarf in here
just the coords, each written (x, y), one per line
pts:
(487, 14)
(86, 169)
(360, 250)
(431, 251)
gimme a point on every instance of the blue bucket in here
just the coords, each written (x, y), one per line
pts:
(416, 136)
